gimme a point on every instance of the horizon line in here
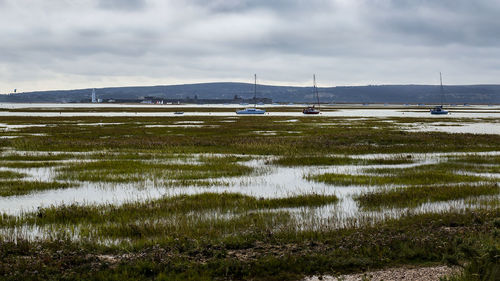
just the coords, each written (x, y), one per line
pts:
(268, 85)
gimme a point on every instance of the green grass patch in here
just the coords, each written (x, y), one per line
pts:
(10, 188)
(36, 157)
(27, 165)
(133, 170)
(131, 155)
(410, 176)
(476, 159)
(362, 136)
(11, 175)
(313, 160)
(298, 160)
(447, 169)
(196, 183)
(261, 252)
(415, 195)
(169, 206)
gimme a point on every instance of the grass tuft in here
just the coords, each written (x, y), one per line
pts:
(10, 188)
(413, 196)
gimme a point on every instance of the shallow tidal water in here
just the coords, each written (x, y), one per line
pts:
(269, 181)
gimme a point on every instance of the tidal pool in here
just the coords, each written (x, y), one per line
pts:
(268, 181)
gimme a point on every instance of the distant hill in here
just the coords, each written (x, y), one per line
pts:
(473, 94)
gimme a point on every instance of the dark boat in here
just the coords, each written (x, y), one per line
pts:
(312, 109)
(438, 110)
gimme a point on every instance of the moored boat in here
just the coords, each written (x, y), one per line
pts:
(312, 109)
(253, 110)
(439, 110)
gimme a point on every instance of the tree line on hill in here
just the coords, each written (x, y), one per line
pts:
(419, 94)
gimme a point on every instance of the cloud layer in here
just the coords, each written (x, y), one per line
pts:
(62, 44)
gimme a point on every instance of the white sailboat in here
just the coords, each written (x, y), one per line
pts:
(439, 109)
(253, 110)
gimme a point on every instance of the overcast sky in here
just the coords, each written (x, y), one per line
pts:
(67, 44)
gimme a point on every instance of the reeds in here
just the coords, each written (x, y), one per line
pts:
(313, 160)
(136, 170)
(19, 187)
(441, 173)
(130, 133)
(415, 195)
(11, 175)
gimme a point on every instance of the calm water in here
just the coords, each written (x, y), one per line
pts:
(339, 111)
(270, 181)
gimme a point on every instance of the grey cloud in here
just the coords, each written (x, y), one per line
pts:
(348, 42)
(129, 5)
(278, 6)
(442, 22)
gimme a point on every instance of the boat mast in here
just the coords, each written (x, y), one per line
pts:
(255, 90)
(315, 88)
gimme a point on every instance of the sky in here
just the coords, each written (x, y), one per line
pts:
(71, 44)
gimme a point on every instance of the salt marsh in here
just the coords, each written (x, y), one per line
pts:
(128, 181)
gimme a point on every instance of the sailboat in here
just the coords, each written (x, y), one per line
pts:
(439, 109)
(253, 110)
(312, 109)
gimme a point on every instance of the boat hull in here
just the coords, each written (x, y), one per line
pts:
(310, 110)
(251, 111)
(442, 112)
(438, 110)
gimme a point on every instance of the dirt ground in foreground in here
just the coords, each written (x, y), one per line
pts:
(393, 274)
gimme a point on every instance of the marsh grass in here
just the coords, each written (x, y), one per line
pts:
(36, 157)
(429, 174)
(486, 202)
(134, 170)
(366, 136)
(259, 248)
(475, 163)
(396, 177)
(11, 175)
(135, 155)
(416, 195)
(10, 188)
(164, 207)
(232, 236)
(196, 183)
(202, 216)
(195, 226)
(312, 160)
(27, 165)
(446, 168)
